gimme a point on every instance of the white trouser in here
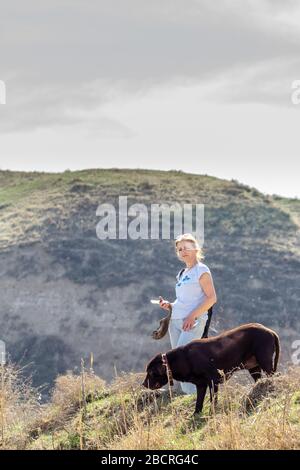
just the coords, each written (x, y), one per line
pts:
(179, 337)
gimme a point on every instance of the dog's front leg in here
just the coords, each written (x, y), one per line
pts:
(201, 391)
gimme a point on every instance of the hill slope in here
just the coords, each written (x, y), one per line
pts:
(86, 413)
(65, 293)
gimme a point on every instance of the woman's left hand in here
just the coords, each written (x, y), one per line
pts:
(188, 323)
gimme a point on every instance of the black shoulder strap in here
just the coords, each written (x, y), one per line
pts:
(207, 324)
(180, 273)
(209, 312)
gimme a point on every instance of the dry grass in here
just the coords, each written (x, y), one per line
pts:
(70, 395)
(84, 413)
(271, 422)
(19, 407)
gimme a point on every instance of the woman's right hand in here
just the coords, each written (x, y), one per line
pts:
(164, 304)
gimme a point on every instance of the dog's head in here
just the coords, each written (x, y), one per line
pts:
(156, 374)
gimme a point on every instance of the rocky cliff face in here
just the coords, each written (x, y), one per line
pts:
(66, 294)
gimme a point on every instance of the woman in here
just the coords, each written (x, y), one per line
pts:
(195, 294)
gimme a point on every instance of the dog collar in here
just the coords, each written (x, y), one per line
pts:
(169, 372)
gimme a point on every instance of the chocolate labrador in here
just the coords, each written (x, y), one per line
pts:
(207, 362)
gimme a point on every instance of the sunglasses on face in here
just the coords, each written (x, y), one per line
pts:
(179, 250)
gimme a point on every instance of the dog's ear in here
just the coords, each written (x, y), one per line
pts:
(157, 365)
(163, 327)
(161, 369)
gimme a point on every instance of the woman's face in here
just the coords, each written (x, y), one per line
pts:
(186, 251)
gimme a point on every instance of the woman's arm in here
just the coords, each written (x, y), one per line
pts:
(207, 285)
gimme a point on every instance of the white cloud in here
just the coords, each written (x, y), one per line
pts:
(72, 55)
(199, 85)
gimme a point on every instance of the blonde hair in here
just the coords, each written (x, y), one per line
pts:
(188, 237)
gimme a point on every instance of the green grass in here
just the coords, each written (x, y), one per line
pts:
(121, 420)
(86, 413)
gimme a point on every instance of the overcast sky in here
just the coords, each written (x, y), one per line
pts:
(198, 85)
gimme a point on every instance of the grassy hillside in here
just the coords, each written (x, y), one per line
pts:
(65, 293)
(86, 413)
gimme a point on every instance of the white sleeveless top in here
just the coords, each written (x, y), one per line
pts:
(189, 293)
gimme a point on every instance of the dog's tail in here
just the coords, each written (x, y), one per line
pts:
(277, 351)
